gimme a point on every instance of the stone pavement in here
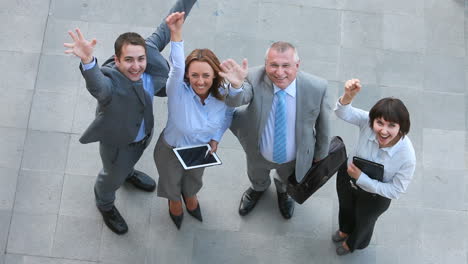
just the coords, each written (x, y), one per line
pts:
(415, 50)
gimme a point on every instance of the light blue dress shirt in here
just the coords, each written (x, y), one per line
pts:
(399, 160)
(190, 122)
(147, 86)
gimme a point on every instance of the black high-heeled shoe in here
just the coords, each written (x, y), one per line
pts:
(177, 219)
(195, 212)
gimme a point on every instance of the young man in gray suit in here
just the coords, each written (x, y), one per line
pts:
(124, 87)
(285, 125)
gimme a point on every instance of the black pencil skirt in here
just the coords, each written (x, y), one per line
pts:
(358, 210)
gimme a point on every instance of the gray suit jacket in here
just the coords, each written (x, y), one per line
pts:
(312, 115)
(122, 103)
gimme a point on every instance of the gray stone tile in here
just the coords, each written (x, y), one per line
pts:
(444, 74)
(318, 59)
(400, 254)
(446, 183)
(15, 105)
(315, 18)
(359, 63)
(64, 79)
(443, 149)
(8, 179)
(311, 219)
(24, 259)
(83, 159)
(362, 30)
(445, 37)
(228, 11)
(38, 192)
(78, 197)
(402, 7)
(368, 96)
(22, 33)
(21, 69)
(26, 8)
(12, 142)
(305, 250)
(69, 9)
(57, 33)
(5, 218)
(77, 238)
(400, 69)
(363, 5)
(84, 112)
(134, 205)
(175, 247)
(128, 248)
(447, 105)
(403, 33)
(439, 227)
(52, 111)
(45, 151)
(31, 234)
(389, 232)
(234, 247)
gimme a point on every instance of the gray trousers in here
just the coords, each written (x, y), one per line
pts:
(258, 170)
(118, 164)
(174, 180)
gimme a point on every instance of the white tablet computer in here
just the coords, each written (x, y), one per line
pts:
(198, 156)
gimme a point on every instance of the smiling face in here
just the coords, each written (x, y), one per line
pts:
(200, 76)
(387, 133)
(281, 67)
(132, 61)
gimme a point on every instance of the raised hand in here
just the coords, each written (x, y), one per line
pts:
(351, 88)
(80, 47)
(233, 72)
(175, 22)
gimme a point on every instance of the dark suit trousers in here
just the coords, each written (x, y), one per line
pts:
(358, 211)
(118, 163)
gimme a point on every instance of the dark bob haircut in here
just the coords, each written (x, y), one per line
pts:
(391, 110)
(129, 38)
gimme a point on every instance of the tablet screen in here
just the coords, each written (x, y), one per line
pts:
(194, 156)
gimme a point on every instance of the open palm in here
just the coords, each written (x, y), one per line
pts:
(80, 47)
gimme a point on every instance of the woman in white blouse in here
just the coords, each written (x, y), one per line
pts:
(382, 139)
(197, 115)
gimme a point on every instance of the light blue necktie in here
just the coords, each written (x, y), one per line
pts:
(279, 146)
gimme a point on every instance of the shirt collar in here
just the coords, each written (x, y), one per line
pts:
(390, 150)
(291, 89)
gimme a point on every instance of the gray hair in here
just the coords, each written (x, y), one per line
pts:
(282, 46)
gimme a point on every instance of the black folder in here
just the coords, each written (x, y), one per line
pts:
(372, 169)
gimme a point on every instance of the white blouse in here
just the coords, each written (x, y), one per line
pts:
(399, 160)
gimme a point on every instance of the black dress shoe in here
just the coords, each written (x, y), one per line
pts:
(142, 181)
(195, 212)
(177, 219)
(114, 221)
(286, 205)
(248, 201)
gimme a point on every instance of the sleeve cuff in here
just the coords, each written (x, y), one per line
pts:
(365, 182)
(234, 91)
(90, 65)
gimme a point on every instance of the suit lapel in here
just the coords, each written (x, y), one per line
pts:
(300, 97)
(267, 102)
(140, 92)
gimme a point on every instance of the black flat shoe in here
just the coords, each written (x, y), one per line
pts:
(248, 201)
(195, 212)
(114, 221)
(142, 181)
(177, 219)
(286, 205)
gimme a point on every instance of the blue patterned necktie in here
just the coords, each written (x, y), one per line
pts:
(279, 146)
